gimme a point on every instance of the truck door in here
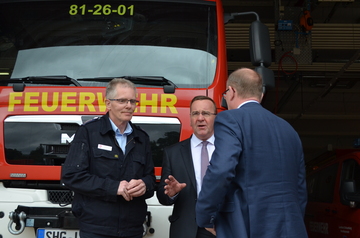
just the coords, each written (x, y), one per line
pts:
(348, 215)
(321, 210)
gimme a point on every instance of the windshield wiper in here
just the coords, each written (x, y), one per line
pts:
(168, 85)
(20, 83)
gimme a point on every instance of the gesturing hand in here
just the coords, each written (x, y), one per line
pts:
(172, 186)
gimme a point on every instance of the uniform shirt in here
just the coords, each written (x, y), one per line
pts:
(121, 138)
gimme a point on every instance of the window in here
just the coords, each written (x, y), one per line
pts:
(321, 184)
(351, 171)
(45, 140)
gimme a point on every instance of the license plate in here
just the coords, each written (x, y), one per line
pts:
(57, 233)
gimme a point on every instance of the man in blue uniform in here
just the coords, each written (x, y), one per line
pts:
(110, 169)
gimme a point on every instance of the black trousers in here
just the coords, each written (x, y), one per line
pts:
(203, 233)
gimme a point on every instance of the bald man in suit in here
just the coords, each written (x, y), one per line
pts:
(255, 184)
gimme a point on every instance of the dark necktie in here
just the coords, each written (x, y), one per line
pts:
(204, 158)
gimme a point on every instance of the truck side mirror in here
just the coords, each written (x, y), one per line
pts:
(348, 194)
(267, 76)
(260, 52)
(260, 47)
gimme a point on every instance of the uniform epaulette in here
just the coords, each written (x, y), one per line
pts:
(91, 120)
(139, 128)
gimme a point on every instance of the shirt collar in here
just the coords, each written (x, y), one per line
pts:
(196, 141)
(127, 131)
(242, 104)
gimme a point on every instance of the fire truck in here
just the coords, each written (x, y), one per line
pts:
(56, 58)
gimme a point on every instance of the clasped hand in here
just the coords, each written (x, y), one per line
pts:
(129, 190)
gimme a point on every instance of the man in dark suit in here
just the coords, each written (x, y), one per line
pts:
(181, 170)
(255, 185)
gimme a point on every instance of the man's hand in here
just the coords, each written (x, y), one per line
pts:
(212, 230)
(136, 188)
(172, 186)
(123, 191)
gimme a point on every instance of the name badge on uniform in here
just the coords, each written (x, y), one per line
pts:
(104, 147)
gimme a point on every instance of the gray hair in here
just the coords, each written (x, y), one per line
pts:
(111, 87)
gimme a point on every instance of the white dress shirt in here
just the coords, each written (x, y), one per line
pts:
(196, 156)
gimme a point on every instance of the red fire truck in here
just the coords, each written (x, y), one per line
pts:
(56, 57)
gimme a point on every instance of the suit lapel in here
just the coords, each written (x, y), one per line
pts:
(185, 152)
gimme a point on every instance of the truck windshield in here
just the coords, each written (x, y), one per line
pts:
(45, 140)
(87, 39)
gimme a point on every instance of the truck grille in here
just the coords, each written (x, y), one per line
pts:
(61, 197)
(56, 149)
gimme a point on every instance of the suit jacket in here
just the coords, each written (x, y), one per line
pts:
(177, 161)
(255, 184)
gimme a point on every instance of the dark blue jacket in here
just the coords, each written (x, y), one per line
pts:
(255, 184)
(93, 169)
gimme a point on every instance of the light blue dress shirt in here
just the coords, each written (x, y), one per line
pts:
(121, 138)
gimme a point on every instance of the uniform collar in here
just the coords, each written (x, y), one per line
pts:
(106, 127)
(128, 129)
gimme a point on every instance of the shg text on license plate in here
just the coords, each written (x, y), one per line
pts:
(57, 233)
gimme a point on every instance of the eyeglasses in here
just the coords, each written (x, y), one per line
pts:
(124, 100)
(203, 113)
(224, 93)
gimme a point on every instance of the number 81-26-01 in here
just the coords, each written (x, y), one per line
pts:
(100, 9)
